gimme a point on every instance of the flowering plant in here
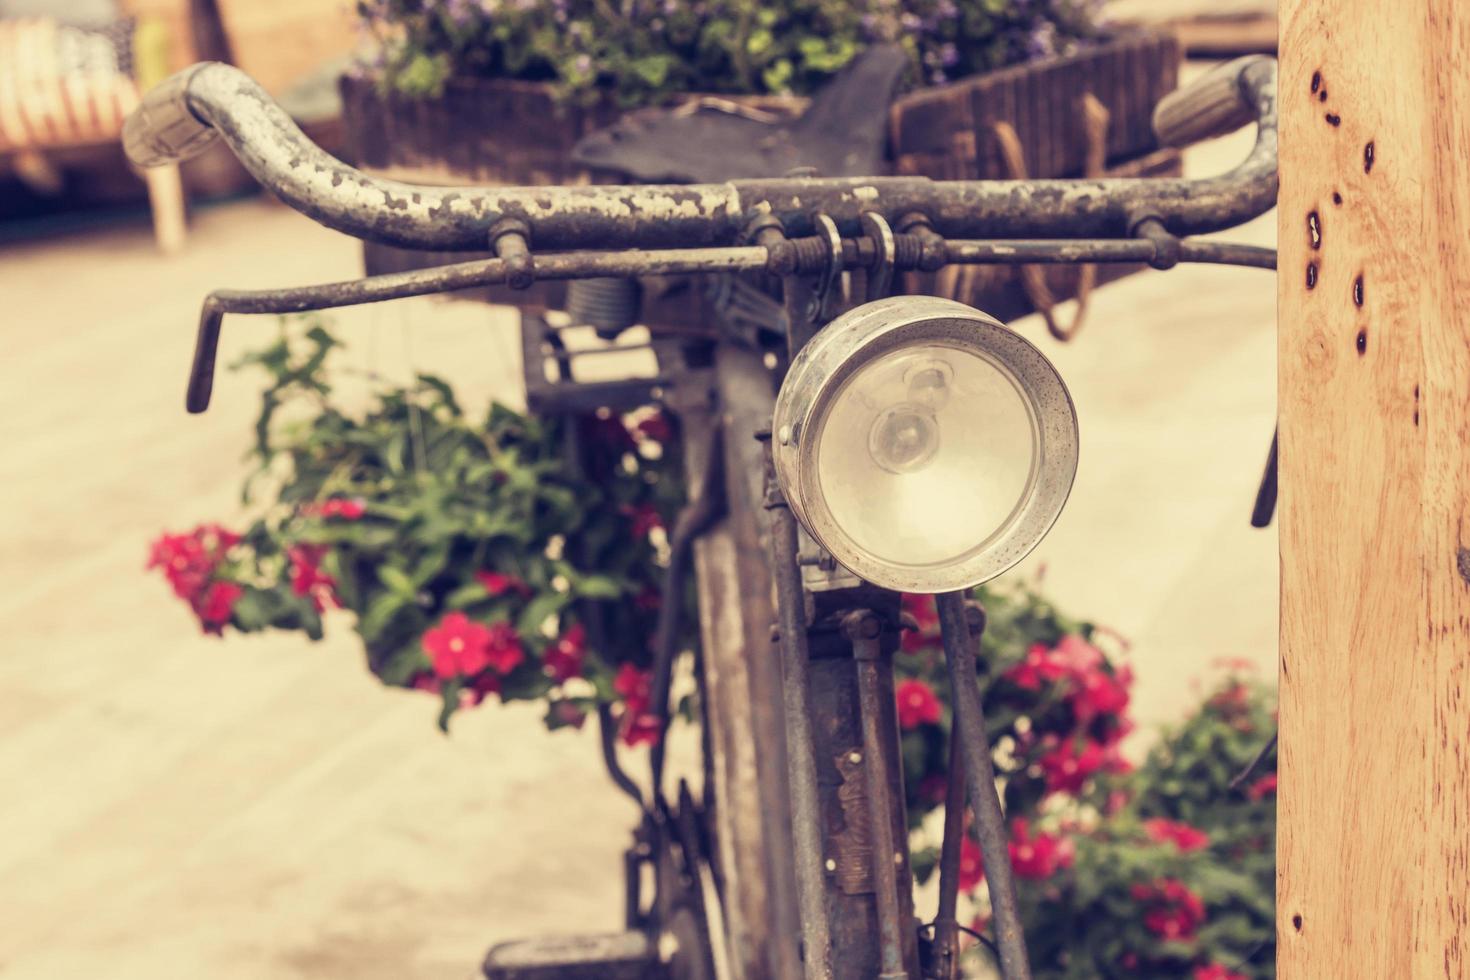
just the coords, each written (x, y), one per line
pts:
(640, 51)
(464, 549)
(467, 552)
(1163, 871)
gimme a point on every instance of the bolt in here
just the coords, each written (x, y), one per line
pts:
(831, 864)
(855, 757)
(898, 857)
(785, 435)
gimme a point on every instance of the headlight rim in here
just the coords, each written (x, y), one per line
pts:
(865, 333)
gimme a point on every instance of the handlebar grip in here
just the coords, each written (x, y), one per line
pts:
(163, 128)
(1212, 105)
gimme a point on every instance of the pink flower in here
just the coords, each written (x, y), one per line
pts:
(1173, 912)
(1039, 667)
(497, 584)
(1077, 656)
(563, 659)
(1181, 835)
(1214, 971)
(926, 618)
(458, 646)
(1038, 856)
(217, 604)
(1097, 693)
(189, 560)
(1261, 788)
(639, 725)
(307, 578)
(917, 705)
(972, 865)
(1070, 763)
(348, 509)
(503, 649)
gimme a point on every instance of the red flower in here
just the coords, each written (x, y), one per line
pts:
(563, 658)
(640, 726)
(426, 681)
(972, 865)
(1214, 971)
(189, 560)
(349, 509)
(308, 579)
(1039, 667)
(1077, 655)
(934, 787)
(917, 705)
(1173, 912)
(633, 684)
(1098, 693)
(479, 689)
(497, 584)
(644, 517)
(657, 428)
(1181, 835)
(1039, 856)
(1070, 763)
(503, 651)
(640, 729)
(458, 646)
(926, 616)
(217, 604)
(1262, 787)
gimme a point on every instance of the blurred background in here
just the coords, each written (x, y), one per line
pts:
(260, 806)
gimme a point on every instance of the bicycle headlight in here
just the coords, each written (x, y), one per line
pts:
(926, 446)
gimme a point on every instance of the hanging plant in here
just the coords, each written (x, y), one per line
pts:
(641, 51)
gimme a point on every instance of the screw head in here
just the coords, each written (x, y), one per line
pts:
(854, 757)
(831, 864)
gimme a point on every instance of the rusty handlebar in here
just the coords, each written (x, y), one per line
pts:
(185, 113)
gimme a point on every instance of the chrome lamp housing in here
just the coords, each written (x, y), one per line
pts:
(923, 444)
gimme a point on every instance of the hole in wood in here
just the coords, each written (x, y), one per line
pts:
(1368, 157)
(1311, 275)
(1333, 119)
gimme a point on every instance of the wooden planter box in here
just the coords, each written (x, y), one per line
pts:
(510, 132)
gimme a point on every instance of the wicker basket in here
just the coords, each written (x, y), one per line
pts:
(509, 132)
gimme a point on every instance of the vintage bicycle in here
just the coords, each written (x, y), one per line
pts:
(844, 445)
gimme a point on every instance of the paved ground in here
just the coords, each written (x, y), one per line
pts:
(176, 806)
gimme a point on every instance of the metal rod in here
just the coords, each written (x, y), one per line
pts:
(272, 147)
(577, 265)
(693, 520)
(946, 922)
(806, 814)
(607, 729)
(990, 823)
(862, 628)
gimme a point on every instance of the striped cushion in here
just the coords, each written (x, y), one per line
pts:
(61, 84)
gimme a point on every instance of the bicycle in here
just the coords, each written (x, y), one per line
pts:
(831, 449)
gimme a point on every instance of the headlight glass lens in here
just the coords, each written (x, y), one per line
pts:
(926, 454)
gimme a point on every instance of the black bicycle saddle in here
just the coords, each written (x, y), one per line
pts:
(842, 133)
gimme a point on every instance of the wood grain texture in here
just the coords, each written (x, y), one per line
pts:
(1374, 222)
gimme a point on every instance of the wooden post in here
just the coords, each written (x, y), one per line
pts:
(1374, 841)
